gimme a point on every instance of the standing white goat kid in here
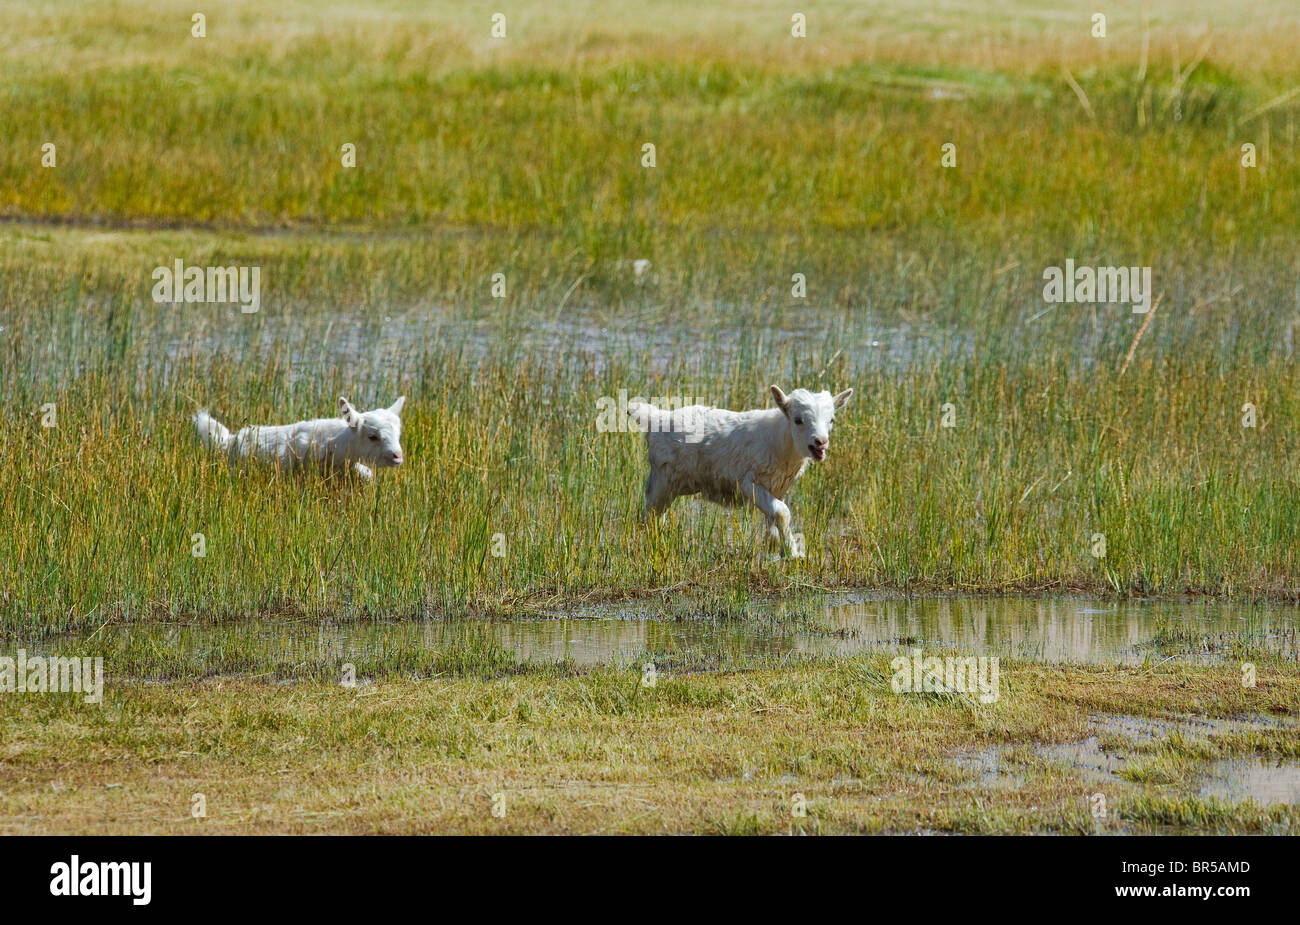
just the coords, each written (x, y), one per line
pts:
(731, 457)
(350, 440)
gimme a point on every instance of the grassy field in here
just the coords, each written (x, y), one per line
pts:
(523, 156)
(501, 437)
(715, 753)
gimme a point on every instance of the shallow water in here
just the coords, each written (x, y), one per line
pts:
(1266, 779)
(1063, 630)
(378, 346)
(1050, 630)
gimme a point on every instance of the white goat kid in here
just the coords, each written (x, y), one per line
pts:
(349, 441)
(733, 457)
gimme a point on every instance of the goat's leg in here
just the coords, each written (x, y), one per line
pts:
(363, 471)
(658, 493)
(778, 515)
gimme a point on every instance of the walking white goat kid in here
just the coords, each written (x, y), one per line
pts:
(733, 457)
(350, 441)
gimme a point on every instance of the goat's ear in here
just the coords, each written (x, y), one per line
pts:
(842, 399)
(396, 407)
(782, 400)
(348, 413)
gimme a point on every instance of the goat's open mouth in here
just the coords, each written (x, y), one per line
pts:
(818, 452)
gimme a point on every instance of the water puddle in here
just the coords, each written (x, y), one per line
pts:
(1265, 780)
(1050, 630)
(1101, 760)
(1063, 630)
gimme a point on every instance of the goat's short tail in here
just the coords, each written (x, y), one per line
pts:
(212, 432)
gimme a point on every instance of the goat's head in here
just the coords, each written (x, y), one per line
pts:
(811, 416)
(378, 434)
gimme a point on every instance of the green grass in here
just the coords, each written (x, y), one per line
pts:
(775, 157)
(244, 128)
(1052, 443)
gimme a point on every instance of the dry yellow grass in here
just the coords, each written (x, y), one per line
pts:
(600, 753)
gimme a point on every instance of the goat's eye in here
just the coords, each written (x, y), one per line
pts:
(374, 436)
(799, 421)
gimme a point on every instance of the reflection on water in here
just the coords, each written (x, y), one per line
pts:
(1265, 780)
(1038, 629)
(1063, 629)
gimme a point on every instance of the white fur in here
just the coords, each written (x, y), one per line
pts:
(731, 457)
(348, 441)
